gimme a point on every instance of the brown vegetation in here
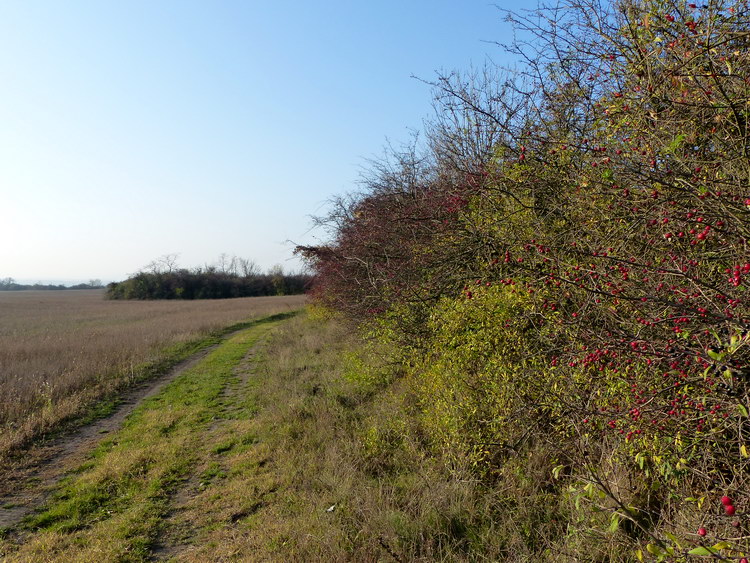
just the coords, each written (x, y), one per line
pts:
(60, 351)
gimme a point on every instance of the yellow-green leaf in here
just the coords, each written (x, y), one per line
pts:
(721, 545)
(703, 551)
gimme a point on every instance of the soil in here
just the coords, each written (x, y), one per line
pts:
(27, 480)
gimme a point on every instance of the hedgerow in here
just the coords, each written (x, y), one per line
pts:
(567, 264)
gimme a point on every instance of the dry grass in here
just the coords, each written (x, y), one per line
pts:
(345, 472)
(60, 351)
(334, 473)
(118, 505)
(306, 448)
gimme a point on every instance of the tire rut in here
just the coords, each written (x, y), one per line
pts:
(28, 478)
(179, 533)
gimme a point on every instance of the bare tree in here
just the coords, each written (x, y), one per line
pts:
(225, 263)
(248, 268)
(165, 264)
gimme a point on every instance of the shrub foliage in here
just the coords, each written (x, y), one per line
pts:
(159, 282)
(565, 262)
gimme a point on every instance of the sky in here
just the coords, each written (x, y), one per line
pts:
(131, 130)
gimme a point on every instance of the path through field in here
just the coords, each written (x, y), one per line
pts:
(26, 481)
(123, 487)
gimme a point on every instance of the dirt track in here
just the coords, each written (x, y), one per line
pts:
(26, 481)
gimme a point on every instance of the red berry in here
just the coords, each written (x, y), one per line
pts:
(701, 531)
(725, 500)
(743, 560)
(730, 509)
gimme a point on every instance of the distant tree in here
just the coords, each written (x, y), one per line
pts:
(230, 277)
(225, 263)
(164, 264)
(276, 273)
(248, 268)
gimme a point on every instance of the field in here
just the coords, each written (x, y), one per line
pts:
(60, 351)
(278, 445)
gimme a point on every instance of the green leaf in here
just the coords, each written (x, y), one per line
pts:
(614, 522)
(703, 551)
(640, 459)
(676, 142)
(721, 545)
(673, 538)
(742, 409)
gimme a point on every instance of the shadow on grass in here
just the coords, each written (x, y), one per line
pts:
(255, 322)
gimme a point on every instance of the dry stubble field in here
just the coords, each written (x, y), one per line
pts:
(60, 351)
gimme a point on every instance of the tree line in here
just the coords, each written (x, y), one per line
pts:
(229, 277)
(9, 284)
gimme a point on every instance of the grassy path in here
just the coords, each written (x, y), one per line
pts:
(300, 447)
(135, 498)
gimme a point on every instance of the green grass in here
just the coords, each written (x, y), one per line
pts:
(114, 507)
(243, 459)
(330, 432)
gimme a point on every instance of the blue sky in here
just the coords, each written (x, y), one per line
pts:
(134, 129)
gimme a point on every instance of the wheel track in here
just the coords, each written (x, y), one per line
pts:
(27, 479)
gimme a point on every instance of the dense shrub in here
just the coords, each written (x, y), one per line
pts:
(568, 262)
(186, 284)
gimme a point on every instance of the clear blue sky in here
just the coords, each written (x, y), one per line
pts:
(133, 129)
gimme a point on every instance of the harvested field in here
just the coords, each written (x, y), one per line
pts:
(60, 351)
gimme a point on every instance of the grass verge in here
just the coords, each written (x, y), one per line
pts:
(332, 468)
(115, 506)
